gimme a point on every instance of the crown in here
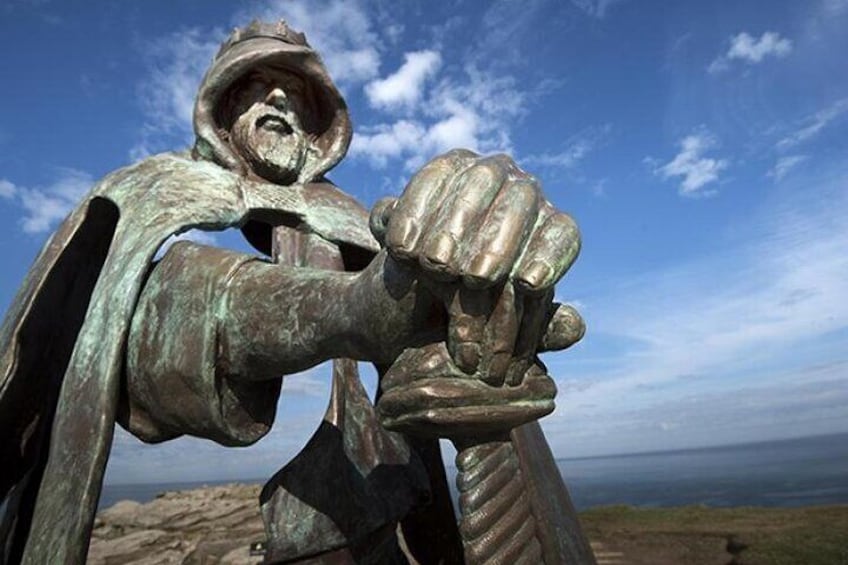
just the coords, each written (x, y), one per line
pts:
(280, 31)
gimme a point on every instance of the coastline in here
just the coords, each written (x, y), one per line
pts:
(218, 524)
(786, 500)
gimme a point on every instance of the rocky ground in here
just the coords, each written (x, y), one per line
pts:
(217, 525)
(203, 526)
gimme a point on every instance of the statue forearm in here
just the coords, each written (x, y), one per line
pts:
(211, 323)
(283, 320)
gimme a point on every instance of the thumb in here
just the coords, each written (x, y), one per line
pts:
(565, 328)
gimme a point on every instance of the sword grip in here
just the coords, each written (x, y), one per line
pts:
(497, 524)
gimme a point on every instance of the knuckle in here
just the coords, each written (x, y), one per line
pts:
(565, 221)
(428, 177)
(562, 230)
(459, 154)
(482, 174)
(526, 192)
(504, 161)
(401, 235)
(448, 163)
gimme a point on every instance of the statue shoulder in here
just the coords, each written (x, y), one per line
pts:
(165, 170)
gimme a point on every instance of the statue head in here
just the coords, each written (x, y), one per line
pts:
(268, 108)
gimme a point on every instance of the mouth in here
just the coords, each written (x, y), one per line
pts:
(275, 123)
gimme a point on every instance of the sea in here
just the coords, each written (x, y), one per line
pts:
(791, 472)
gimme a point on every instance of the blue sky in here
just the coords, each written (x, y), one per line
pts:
(701, 146)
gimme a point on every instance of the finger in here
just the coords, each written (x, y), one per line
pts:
(422, 194)
(552, 249)
(467, 311)
(466, 201)
(565, 328)
(501, 234)
(535, 314)
(500, 335)
(378, 221)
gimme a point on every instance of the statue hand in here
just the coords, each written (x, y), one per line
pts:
(486, 242)
(424, 394)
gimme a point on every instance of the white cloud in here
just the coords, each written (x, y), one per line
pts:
(473, 110)
(404, 87)
(44, 207)
(340, 30)
(595, 8)
(176, 64)
(784, 165)
(692, 166)
(388, 141)
(7, 189)
(748, 49)
(814, 124)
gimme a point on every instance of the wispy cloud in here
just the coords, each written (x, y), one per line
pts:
(340, 30)
(43, 207)
(785, 165)
(690, 164)
(472, 100)
(813, 125)
(7, 189)
(578, 146)
(473, 110)
(472, 106)
(809, 400)
(750, 50)
(175, 65)
(772, 302)
(403, 89)
(595, 8)
(835, 7)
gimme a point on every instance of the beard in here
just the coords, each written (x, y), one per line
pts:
(271, 142)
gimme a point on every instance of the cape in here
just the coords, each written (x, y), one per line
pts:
(63, 340)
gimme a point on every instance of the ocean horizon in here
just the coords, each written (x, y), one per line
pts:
(778, 473)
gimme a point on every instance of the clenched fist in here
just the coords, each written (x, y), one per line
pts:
(489, 245)
(479, 219)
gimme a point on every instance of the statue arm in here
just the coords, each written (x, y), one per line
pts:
(280, 320)
(214, 330)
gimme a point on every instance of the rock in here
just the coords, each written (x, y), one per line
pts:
(208, 525)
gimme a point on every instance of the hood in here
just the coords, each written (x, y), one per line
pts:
(271, 46)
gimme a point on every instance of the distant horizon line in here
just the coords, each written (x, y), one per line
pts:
(262, 480)
(702, 447)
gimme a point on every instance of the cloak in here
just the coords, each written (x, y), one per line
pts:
(63, 339)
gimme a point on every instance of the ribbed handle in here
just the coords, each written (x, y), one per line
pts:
(497, 524)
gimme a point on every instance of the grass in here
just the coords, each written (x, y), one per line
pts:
(697, 534)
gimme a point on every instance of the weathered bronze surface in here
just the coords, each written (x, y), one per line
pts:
(449, 293)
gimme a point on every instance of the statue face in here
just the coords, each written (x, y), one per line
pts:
(268, 132)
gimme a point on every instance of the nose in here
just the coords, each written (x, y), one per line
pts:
(277, 98)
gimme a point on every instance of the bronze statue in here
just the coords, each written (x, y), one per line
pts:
(449, 294)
